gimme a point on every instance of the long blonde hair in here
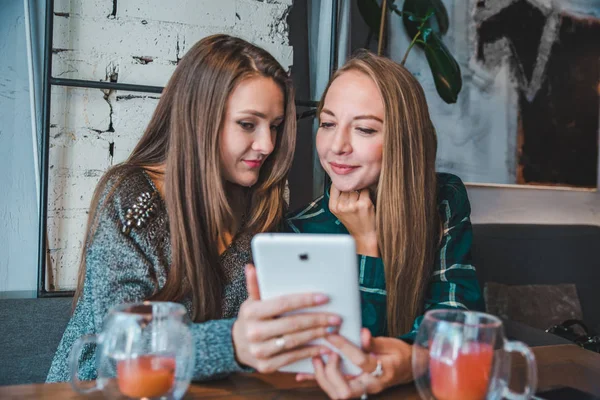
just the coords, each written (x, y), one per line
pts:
(183, 134)
(408, 224)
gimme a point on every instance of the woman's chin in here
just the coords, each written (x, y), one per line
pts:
(345, 186)
(245, 180)
(248, 183)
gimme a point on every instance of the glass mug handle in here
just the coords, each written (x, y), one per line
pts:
(74, 363)
(531, 382)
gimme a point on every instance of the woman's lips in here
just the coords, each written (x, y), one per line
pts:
(253, 163)
(342, 169)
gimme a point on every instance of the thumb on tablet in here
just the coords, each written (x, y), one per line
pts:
(252, 282)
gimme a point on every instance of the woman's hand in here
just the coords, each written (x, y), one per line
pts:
(393, 354)
(265, 341)
(356, 211)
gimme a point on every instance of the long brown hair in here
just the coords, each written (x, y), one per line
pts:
(183, 135)
(408, 224)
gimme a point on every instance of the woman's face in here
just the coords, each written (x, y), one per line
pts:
(254, 112)
(350, 135)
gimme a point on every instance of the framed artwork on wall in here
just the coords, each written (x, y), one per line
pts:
(529, 109)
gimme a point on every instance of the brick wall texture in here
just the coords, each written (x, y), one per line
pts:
(127, 41)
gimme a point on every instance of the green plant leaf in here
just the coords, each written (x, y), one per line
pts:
(425, 34)
(444, 68)
(415, 11)
(371, 14)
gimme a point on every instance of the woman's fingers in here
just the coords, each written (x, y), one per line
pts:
(321, 378)
(366, 340)
(349, 202)
(334, 194)
(305, 377)
(329, 324)
(364, 200)
(271, 347)
(334, 376)
(357, 356)
(272, 364)
(349, 387)
(330, 378)
(346, 201)
(252, 282)
(275, 307)
(364, 384)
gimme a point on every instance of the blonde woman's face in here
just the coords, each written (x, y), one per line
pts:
(254, 112)
(350, 135)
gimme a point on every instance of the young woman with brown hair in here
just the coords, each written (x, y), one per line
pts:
(412, 229)
(174, 221)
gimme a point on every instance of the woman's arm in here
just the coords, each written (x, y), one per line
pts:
(131, 279)
(118, 270)
(453, 282)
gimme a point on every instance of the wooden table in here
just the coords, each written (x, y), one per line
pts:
(562, 365)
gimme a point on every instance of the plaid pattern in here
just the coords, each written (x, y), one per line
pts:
(453, 282)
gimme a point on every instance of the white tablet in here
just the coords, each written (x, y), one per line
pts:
(289, 263)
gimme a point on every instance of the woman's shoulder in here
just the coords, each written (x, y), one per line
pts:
(309, 208)
(123, 182)
(310, 218)
(127, 195)
(453, 199)
(450, 184)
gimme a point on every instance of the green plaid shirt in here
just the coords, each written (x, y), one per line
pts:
(453, 283)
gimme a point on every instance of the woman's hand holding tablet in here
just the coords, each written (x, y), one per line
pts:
(266, 342)
(291, 269)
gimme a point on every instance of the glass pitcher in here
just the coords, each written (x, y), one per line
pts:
(145, 350)
(463, 355)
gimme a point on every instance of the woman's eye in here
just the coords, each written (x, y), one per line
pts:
(326, 125)
(248, 126)
(367, 131)
(275, 127)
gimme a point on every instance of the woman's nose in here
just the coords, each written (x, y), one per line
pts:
(264, 142)
(341, 142)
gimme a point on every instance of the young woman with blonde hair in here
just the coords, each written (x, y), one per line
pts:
(174, 221)
(411, 225)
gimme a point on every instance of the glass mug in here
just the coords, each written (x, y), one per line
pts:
(145, 350)
(463, 355)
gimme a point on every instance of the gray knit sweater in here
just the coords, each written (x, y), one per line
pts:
(129, 265)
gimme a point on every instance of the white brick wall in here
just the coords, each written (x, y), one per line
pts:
(139, 44)
(207, 13)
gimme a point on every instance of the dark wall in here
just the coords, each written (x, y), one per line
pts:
(301, 175)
